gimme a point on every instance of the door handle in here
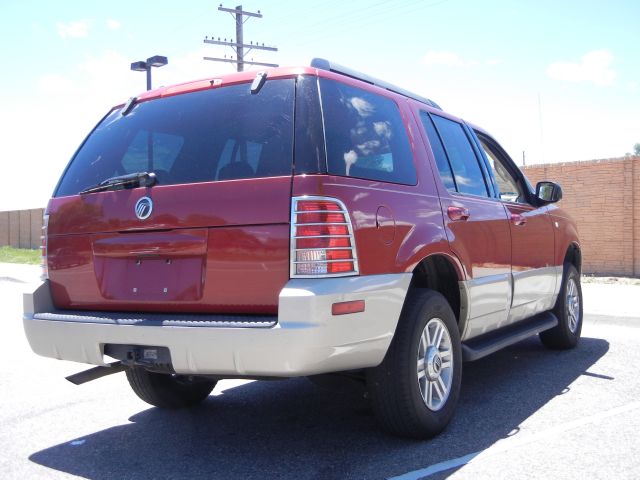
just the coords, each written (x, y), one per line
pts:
(518, 219)
(458, 213)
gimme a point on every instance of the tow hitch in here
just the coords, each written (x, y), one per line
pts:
(95, 373)
(155, 359)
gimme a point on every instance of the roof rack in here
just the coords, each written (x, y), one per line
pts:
(323, 64)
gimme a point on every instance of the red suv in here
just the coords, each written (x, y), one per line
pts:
(295, 222)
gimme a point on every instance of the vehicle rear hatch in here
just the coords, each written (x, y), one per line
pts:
(212, 235)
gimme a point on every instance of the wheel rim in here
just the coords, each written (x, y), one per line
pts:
(435, 364)
(573, 305)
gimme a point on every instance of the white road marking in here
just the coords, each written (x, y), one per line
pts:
(510, 443)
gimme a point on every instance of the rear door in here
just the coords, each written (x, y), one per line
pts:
(216, 237)
(476, 224)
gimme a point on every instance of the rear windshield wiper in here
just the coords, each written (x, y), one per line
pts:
(131, 180)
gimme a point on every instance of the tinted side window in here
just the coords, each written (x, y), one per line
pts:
(365, 135)
(464, 163)
(508, 185)
(438, 152)
(223, 133)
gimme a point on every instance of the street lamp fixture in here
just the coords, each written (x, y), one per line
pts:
(141, 66)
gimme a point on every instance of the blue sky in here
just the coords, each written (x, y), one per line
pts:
(557, 80)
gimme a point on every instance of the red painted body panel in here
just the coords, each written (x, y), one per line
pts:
(565, 232)
(415, 217)
(532, 241)
(205, 246)
(242, 270)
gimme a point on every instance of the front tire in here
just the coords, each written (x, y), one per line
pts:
(168, 391)
(569, 311)
(414, 391)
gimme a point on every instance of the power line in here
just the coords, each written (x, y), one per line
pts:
(239, 46)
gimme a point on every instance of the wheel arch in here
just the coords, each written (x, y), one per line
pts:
(573, 256)
(441, 273)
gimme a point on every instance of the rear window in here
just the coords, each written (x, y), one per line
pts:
(365, 135)
(219, 134)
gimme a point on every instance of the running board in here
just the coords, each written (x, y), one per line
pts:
(493, 341)
(96, 372)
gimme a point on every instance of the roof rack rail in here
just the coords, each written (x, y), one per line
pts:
(323, 64)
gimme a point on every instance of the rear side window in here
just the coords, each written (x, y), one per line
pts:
(438, 152)
(219, 134)
(365, 135)
(467, 173)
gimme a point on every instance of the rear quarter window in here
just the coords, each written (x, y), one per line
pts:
(365, 135)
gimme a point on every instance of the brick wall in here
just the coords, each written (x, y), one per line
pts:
(604, 198)
(21, 228)
(602, 195)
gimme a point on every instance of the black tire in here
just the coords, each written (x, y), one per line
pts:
(394, 386)
(168, 391)
(567, 333)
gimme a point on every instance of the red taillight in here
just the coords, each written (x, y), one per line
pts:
(318, 206)
(322, 241)
(319, 217)
(43, 247)
(321, 230)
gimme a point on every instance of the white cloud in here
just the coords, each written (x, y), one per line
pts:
(113, 24)
(451, 59)
(78, 29)
(594, 67)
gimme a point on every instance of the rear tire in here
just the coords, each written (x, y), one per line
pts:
(168, 391)
(568, 309)
(414, 391)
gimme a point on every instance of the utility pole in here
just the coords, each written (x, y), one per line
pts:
(239, 46)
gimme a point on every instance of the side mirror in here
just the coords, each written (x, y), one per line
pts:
(548, 192)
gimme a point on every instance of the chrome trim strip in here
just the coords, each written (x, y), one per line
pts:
(525, 294)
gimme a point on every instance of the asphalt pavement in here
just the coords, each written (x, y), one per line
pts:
(524, 412)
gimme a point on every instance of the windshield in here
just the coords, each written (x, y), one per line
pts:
(218, 134)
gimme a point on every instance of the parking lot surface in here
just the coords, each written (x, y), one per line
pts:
(524, 412)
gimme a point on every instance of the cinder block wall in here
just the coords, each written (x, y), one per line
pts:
(604, 198)
(21, 228)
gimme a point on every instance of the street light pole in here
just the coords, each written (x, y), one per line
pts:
(142, 66)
